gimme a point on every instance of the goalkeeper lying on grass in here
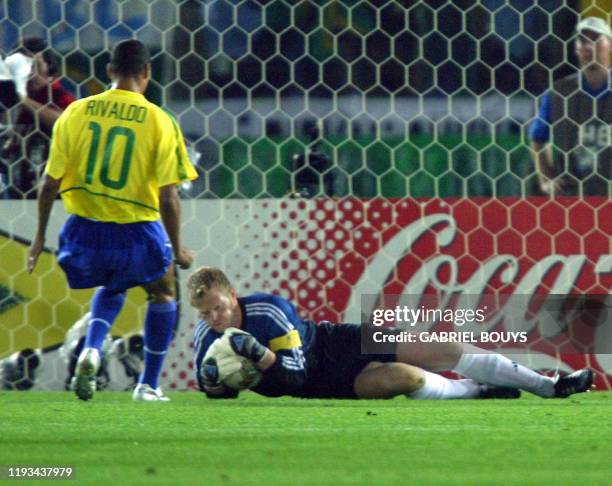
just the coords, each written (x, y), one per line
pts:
(303, 359)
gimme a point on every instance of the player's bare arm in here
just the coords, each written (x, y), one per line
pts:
(170, 209)
(268, 360)
(46, 196)
(48, 115)
(542, 155)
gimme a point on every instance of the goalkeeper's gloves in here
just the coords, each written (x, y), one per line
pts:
(209, 371)
(213, 370)
(246, 345)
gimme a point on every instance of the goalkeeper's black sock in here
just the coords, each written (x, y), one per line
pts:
(159, 324)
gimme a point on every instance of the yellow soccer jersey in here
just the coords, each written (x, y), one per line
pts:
(113, 151)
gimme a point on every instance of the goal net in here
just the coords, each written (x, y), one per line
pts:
(345, 148)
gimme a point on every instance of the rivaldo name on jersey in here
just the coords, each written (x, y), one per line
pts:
(115, 109)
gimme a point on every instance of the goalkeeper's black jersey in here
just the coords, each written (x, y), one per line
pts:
(274, 322)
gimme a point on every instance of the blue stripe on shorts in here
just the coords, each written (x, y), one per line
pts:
(116, 256)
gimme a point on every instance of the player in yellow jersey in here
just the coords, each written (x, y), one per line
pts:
(116, 159)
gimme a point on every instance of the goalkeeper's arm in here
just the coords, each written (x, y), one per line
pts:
(283, 370)
(286, 367)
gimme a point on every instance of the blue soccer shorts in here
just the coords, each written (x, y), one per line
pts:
(116, 256)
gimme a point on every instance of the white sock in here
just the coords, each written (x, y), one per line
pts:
(495, 369)
(437, 387)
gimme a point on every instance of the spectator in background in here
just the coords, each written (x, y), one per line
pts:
(571, 134)
(312, 171)
(25, 150)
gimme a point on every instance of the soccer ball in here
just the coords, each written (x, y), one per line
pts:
(235, 371)
(247, 375)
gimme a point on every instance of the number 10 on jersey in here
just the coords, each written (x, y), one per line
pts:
(110, 138)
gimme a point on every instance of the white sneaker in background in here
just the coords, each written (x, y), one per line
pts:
(144, 393)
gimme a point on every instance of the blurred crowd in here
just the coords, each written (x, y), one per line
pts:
(427, 51)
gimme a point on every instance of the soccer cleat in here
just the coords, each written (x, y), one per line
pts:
(500, 392)
(84, 380)
(144, 393)
(576, 382)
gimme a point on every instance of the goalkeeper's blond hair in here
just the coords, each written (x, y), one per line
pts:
(204, 279)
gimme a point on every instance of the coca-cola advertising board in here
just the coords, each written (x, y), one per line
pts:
(521, 250)
(326, 255)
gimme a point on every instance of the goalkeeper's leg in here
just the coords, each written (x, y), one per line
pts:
(496, 369)
(386, 380)
(475, 363)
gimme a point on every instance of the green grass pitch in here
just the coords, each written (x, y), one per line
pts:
(286, 441)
